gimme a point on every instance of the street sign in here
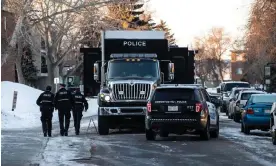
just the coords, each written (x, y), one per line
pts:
(56, 80)
(14, 100)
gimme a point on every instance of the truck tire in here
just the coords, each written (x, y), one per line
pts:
(150, 135)
(103, 127)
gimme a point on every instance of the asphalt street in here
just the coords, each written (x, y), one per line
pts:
(131, 149)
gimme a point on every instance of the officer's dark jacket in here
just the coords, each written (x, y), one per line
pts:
(63, 100)
(46, 99)
(79, 100)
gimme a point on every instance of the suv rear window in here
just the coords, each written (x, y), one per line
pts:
(230, 86)
(173, 94)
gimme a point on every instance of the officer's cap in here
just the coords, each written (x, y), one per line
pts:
(48, 88)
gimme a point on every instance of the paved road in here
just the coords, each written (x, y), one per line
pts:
(131, 149)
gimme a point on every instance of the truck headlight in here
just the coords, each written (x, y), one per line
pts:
(107, 98)
(154, 86)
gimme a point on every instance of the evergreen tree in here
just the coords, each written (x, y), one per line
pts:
(28, 68)
(129, 16)
(162, 26)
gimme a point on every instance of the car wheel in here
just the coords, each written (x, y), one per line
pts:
(215, 134)
(274, 137)
(205, 134)
(150, 135)
(246, 129)
(242, 129)
(236, 119)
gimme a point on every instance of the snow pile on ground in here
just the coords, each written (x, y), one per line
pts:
(27, 113)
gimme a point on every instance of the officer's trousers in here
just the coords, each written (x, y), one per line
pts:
(64, 114)
(77, 114)
(46, 119)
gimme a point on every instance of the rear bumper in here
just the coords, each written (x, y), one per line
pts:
(257, 121)
(175, 123)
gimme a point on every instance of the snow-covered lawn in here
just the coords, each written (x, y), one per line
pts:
(27, 114)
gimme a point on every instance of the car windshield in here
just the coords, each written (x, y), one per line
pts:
(230, 86)
(246, 96)
(173, 94)
(264, 99)
(129, 69)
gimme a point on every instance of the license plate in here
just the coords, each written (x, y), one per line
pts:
(172, 108)
(267, 111)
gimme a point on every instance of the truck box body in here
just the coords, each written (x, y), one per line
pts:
(183, 60)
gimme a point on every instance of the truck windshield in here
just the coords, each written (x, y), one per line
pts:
(130, 69)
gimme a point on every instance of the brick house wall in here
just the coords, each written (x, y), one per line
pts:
(8, 72)
(237, 65)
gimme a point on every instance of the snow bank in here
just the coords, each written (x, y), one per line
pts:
(27, 114)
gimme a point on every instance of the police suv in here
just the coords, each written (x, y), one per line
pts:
(178, 108)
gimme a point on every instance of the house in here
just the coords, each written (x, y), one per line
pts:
(238, 59)
(8, 69)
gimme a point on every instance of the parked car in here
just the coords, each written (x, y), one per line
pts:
(176, 109)
(241, 100)
(273, 123)
(233, 98)
(225, 89)
(256, 113)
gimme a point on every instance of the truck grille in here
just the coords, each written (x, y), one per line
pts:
(135, 91)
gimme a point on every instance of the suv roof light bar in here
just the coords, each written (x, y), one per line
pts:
(133, 56)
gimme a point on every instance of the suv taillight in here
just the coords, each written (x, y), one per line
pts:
(198, 107)
(149, 107)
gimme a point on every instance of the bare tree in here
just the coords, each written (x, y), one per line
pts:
(213, 47)
(260, 37)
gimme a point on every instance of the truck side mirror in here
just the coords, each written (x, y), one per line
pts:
(96, 71)
(171, 71)
(218, 90)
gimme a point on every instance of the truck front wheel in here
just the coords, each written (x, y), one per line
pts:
(103, 127)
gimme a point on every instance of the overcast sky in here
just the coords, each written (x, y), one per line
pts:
(190, 18)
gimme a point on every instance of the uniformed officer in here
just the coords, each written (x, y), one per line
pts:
(79, 104)
(64, 102)
(46, 103)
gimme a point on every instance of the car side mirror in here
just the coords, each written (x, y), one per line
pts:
(171, 71)
(96, 72)
(218, 90)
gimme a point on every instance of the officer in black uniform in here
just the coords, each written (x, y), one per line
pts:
(64, 103)
(79, 104)
(46, 103)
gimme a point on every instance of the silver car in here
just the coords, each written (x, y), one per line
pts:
(242, 98)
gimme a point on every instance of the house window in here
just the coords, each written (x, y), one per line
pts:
(43, 63)
(43, 45)
(239, 57)
(239, 71)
